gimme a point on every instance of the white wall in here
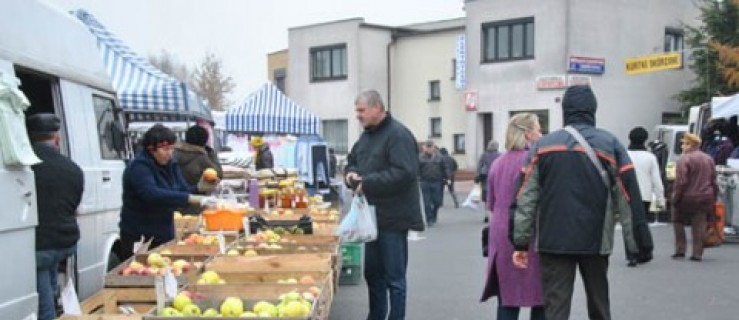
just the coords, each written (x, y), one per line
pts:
(417, 60)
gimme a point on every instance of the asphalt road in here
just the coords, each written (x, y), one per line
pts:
(446, 274)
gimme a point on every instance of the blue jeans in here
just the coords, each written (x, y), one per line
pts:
(47, 272)
(385, 264)
(433, 194)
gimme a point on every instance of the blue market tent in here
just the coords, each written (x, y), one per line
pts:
(144, 92)
(269, 111)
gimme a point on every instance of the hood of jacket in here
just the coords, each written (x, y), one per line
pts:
(187, 153)
(579, 106)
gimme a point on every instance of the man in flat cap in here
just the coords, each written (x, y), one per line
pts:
(432, 173)
(59, 185)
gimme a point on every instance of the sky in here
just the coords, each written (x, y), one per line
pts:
(242, 32)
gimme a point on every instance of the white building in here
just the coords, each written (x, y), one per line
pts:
(519, 56)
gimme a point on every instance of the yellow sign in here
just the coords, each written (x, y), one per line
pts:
(657, 62)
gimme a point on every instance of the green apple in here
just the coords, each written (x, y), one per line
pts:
(169, 312)
(295, 309)
(232, 307)
(248, 314)
(232, 252)
(191, 310)
(210, 312)
(265, 307)
(181, 301)
(211, 277)
(155, 260)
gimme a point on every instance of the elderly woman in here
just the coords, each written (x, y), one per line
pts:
(153, 187)
(694, 195)
(514, 287)
(262, 155)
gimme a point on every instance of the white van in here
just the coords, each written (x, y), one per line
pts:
(60, 69)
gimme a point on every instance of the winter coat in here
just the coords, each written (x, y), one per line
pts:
(386, 158)
(193, 160)
(59, 186)
(263, 158)
(648, 175)
(431, 167)
(151, 193)
(450, 165)
(695, 183)
(516, 287)
(563, 194)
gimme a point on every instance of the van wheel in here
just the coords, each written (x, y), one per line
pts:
(113, 261)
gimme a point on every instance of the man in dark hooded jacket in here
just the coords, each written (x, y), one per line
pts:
(575, 210)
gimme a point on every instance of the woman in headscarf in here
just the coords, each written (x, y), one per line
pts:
(263, 157)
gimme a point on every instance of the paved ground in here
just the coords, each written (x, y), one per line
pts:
(446, 274)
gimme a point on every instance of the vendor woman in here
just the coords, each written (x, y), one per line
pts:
(153, 188)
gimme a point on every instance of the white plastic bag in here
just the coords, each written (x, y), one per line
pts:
(360, 223)
(473, 198)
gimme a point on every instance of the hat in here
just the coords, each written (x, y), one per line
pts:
(42, 123)
(579, 98)
(256, 141)
(638, 135)
(691, 139)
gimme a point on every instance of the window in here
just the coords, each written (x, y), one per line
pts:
(454, 69)
(336, 132)
(673, 40)
(328, 63)
(459, 143)
(543, 118)
(434, 90)
(279, 77)
(110, 134)
(508, 40)
(435, 126)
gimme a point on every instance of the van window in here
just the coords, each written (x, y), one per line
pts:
(106, 125)
(678, 140)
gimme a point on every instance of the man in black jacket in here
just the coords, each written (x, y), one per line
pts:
(59, 185)
(433, 174)
(383, 165)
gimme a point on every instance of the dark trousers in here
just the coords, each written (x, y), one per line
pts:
(450, 187)
(47, 272)
(558, 278)
(433, 193)
(698, 229)
(125, 250)
(511, 313)
(385, 264)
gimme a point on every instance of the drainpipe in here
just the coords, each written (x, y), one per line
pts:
(389, 68)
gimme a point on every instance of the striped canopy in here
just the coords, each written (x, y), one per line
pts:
(269, 111)
(142, 89)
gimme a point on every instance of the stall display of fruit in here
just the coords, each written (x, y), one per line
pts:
(156, 264)
(210, 277)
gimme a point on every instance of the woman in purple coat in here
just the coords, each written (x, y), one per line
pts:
(514, 287)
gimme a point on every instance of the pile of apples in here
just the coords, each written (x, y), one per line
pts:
(183, 305)
(306, 280)
(265, 236)
(331, 215)
(195, 238)
(210, 277)
(157, 265)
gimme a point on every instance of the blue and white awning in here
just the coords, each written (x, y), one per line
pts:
(142, 89)
(269, 111)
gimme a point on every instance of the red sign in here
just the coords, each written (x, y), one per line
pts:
(470, 100)
(551, 82)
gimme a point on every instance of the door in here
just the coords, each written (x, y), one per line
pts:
(487, 129)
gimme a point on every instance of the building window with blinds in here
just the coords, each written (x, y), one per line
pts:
(336, 134)
(328, 63)
(508, 40)
(434, 90)
(458, 143)
(435, 127)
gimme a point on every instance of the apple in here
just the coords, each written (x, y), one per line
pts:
(210, 312)
(191, 310)
(315, 291)
(307, 280)
(232, 252)
(250, 253)
(127, 271)
(180, 263)
(232, 307)
(308, 296)
(136, 265)
(180, 301)
(295, 309)
(248, 314)
(265, 307)
(211, 277)
(155, 260)
(291, 281)
(170, 312)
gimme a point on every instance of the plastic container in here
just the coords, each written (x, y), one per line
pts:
(351, 254)
(351, 275)
(224, 219)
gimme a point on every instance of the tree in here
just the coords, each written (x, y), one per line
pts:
(712, 45)
(210, 82)
(169, 64)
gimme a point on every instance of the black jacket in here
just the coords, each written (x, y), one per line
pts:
(432, 167)
(264, 159)
(193, 160)
(59, 186)
(386, 157)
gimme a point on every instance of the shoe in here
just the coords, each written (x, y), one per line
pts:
(678, 256)
(631, 264)
(692, 258)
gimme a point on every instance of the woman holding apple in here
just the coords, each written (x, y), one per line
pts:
(153, 188)
(514, 287)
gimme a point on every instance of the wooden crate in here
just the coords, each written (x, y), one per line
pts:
(104, 305)
(114, 278)
(292, 262)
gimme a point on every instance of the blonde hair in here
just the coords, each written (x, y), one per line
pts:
(691, 139)
(515, 136)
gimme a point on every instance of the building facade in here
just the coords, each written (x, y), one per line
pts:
(277, 70)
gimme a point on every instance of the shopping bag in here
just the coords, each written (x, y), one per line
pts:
(473, 199)
(360, 223)
(714, 227)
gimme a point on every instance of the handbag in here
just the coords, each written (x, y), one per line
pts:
(714, 235)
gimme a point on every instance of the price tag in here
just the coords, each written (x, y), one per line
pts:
(159, 293)
(221, 242)
(247, 230)
(70, 303)
(170, 283)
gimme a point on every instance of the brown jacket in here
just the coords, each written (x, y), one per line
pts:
(695, 179)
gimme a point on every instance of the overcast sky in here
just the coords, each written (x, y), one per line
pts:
(242, 32)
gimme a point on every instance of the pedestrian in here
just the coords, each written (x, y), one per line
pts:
(514, 287)
(153, 188)
(59, 186)
(483, 166)
(263, 158)
(383, 165)
(432, 173)
(648, 175)
(694, 195)
(451, 171)
(192, 156)
(566, 197)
